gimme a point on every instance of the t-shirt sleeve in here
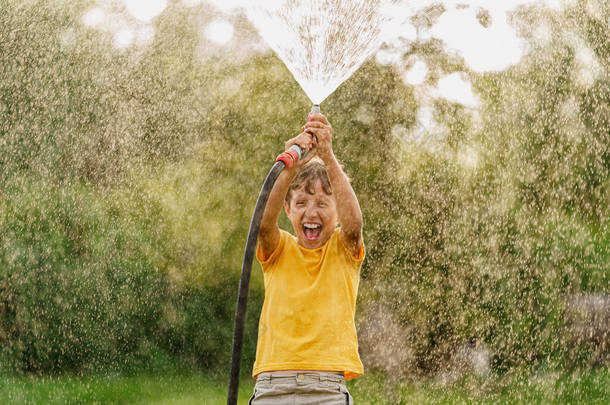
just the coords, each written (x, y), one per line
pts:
(356, 259)
(267, 262)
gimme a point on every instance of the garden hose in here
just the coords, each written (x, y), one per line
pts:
(285, 159)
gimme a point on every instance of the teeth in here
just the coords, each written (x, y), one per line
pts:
(311, 226)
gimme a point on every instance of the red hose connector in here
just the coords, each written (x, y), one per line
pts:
(288, 157)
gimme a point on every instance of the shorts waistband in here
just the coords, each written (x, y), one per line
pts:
(300, 377)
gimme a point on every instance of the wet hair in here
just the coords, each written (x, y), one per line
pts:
(308, 175)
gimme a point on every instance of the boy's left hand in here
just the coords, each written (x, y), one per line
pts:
(318, 125)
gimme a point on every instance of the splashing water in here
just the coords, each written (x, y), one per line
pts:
(322, 42)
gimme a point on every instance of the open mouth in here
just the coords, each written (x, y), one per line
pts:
(312, 231)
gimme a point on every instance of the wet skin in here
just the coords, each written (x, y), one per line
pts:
(313, 216)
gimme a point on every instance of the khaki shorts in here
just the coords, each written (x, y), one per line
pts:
(300, 389)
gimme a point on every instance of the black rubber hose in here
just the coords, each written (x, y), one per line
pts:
(244, 282)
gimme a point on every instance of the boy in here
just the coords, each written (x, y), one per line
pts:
(307, 345)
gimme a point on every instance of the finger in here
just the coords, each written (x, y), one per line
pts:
(310, 135)
(312, 117)
(315, 124)
(319, 132)
(313, 130)
(302, 140)
(320, 127)
(306, 141)
(313, 139)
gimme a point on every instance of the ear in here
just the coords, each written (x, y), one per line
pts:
(287, 207)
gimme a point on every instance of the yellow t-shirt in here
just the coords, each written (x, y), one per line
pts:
(307, 320)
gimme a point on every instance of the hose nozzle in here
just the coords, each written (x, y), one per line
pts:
(295, 152)
(315, 109)
(290, 156)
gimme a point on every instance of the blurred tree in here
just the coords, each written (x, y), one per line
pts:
(489, 256)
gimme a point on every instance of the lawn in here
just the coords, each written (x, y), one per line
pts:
(147, 389)
(204, 389)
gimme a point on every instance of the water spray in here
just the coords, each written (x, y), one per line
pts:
(284, 160)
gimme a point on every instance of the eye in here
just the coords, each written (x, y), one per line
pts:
(300, 203)
(322, 204)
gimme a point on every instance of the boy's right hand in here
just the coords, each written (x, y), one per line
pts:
(307, 143)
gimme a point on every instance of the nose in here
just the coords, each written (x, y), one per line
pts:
(311, 212)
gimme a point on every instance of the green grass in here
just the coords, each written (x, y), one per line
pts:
(146, 389)
(203, 389)
(551, 388)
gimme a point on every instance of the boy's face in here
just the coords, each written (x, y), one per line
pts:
(313, 216)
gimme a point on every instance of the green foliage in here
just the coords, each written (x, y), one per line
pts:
(79, 289)
(75, 288)
(489, 256)
(91, 259)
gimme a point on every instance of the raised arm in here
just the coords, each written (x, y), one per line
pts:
(348, 208)
(269, 232)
